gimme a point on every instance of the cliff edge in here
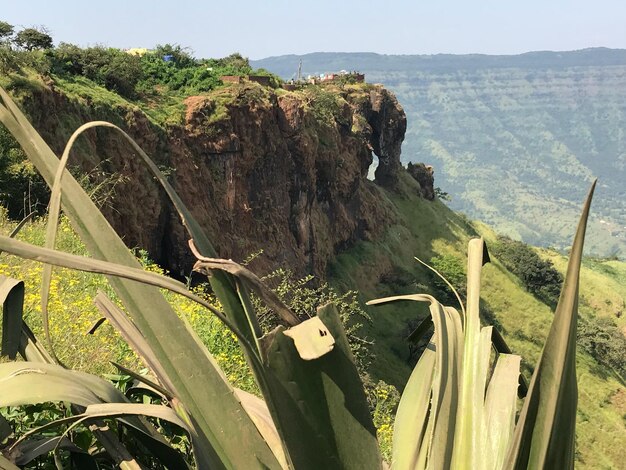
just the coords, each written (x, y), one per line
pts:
(261, 169)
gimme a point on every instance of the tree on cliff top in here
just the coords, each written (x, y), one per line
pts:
(33, 38)
(6, 30)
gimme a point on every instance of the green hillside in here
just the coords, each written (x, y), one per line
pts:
(512, 138)
(428, 229)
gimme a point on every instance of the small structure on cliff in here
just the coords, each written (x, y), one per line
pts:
(342, 76)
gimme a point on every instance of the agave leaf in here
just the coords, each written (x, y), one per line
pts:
(99, 411)
(120, 454)
(25, 383)
(448, 347)
(12, 301)
(115, 271)
(132, 336)
(114, 410)
(545, 431)
(502, 348)
(323, 412)
(192, 373)
(149, 384)
(409, 431)
(260, 414)
(206, 265)
(28, 450)
(6, 464)
(499, 411)
(468, 437)
(21, 225)
(422, 328)
(5, 429)
(223, 285)
(30, 349)
(434, 445)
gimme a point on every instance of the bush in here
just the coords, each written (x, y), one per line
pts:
(538, 276)
(112, 68)
(22, 189)
(303, 298)
(602, 338)
(453, 269)
(6, 30)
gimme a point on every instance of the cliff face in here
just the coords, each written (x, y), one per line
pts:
(279, 171)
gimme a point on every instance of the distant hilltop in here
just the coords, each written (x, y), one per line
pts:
(320, 62)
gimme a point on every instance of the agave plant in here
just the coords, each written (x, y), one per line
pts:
(456, 411)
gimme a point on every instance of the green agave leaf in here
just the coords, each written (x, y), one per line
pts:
(6, 464)
(224, 286)
(30, 349)
(21, 225)
(410, 441)
(120, 454)
(436, 379)
(25, 383)
(192, 373)
(499, 411)
(468, 437)
(99, 411)
(322, 399)
(149, 384)
(12, 301)
(545, 432)
(29, 450)
(132, 336)
(260, 414)
(5, 428)
(498, 342)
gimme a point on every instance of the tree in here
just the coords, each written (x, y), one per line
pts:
(6, 30)
(33, 38)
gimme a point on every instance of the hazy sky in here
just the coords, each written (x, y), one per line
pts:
(259, 29)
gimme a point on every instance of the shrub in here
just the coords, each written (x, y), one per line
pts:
(6, 30)
(22, 189)
(538, 276)
(604, 340)
(112, 68)
(453, 269)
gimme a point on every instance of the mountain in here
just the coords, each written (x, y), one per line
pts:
(511, 138)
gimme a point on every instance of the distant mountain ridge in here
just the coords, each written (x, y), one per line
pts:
(318, 62)
(514, 139)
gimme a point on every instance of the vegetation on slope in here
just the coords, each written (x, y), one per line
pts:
(431, 230)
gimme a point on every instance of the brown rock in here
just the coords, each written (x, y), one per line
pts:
(257, 170)
(425, 176)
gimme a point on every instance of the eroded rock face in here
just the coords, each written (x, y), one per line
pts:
(387, 120)
(258, 170)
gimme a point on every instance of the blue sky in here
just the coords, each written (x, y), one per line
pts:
(259, 29)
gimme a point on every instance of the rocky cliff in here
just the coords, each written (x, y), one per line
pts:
(285, 172)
